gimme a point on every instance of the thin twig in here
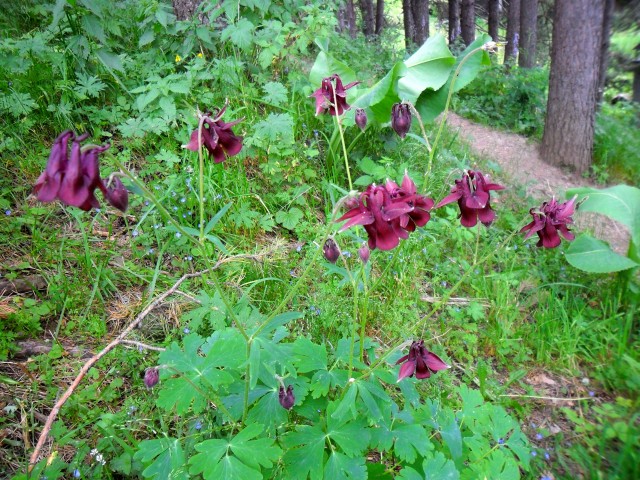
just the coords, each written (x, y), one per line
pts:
(89, 363)
(538, 397)
(143, 345)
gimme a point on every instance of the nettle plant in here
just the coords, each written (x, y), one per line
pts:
(248, 401)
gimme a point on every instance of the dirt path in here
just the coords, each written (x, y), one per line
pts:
(521, 164)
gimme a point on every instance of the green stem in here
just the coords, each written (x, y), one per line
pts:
(247, 382)
(424, 135)
(365, 311)
(446, 106)
(344, 146)
(354, 322)
(201, 177)
(475, 253)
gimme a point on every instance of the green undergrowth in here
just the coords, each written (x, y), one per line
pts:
(494, 307)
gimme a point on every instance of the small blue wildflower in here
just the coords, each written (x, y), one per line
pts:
(175, 209)
(190, 213)
(346, 254)
(157, 187)
(150, 251)
(547, 456)
(146, 203)
(292, 273)
(178, 234)
(184, 215)
(98, 210)
(76, 473)
(188, 181)
(135, 233)
(546, 477)
(218, 197)
(198, 425)
(183, 199)
(424, 250)
(476, 271)
(132, 409)
(186, 330)
(173, 194)
(501, 441)
(315, 133)
(299, 248)
(533, 425)
(156, 226)
(7, 212)
(534, 454)
(189, 258)
(515, 247)
(592, 394)
(443, 283)
(539, 436)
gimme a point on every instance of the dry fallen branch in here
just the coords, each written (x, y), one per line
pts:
(90, 362)
(458, 301)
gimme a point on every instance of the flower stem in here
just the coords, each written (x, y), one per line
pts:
(201, 177)
(424, 134)
(247, 382)
(364, 314)
(344, 146)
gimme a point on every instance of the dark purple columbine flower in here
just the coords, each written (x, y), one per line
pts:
(332, 95)
(401, 119)
(151, 377)
(472, 194)
(217, 137)
(287, 399)
(364, 253)
(73, 180)
(331, 250)
(420, 362)
(551, 219)
(361, 118)
(389, 213)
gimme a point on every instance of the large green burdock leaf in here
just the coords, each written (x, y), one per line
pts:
(431, 103)
(621, 203)
(326, 65)
(429, 67)
(379, 99)
(595, 256)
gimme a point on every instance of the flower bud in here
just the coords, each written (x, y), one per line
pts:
(331, 250)
(364, 253)
(151, 377)
(401, 119)
(287, 399)
(117, 195)
(361, 118)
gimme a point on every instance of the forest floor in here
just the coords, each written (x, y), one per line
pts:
(521, 164)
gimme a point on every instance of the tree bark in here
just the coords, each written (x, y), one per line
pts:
(347, 19)
(454, 20)
(407, 19)
(636, 76)
(573, 83)
(468, 21)
(368, 17)
(494, 19)
(379, 16)
(420, 14)
(513, 31)
(184, 9)
(528, 33)
(609, 8)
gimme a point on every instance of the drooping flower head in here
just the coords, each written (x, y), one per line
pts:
(286, 398)
(217, 137)
(330, 250)
(364, 253)
(361, 119)
(401, 119)
(73, 180)
(472, 194)
(551, 219)
(151, 377)
(420, 362)
(389, 213)
(331, 97)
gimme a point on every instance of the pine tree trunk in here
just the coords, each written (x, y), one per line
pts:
(368, 17)
(420, 14)
(636, 76)
(573, 83)
(379, 16)
(454, 20)
(528, 33)
(494, 19)
(468, 21)
(407, 19)
(604, 50)
(513, 31)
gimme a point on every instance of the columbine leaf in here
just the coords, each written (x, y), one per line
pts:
(341, 466)
(168, 458)
(352, 436)
(439, 468)
(309, 356)
(307, 458)
(323, 380)
(411, 440)
(290, 218)
(255, 452)
(450, 433)
(183, 394)
(268, 411)
(277, 127)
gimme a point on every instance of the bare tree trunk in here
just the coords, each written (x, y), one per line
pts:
(346, 16)
(494, 19)
(368, 17)
(379, 16)
(636, 76)
(407, 19)
(513, 31)
(468, 21)
(609, 8)
(420, 14)
(184, 9)
(573, 83)
(528, 33)
(454, 20)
